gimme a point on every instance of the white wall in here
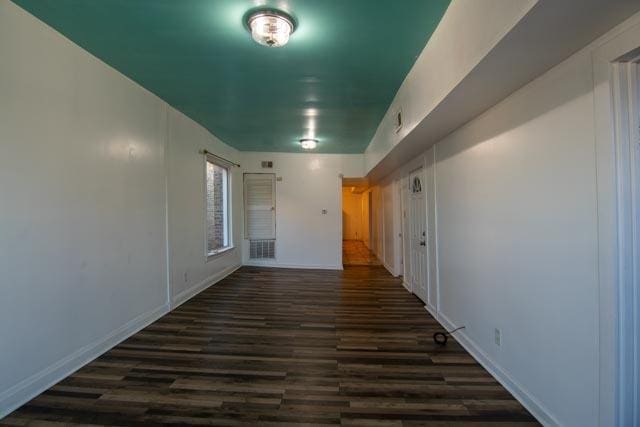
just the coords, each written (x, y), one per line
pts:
(377, 225)
(447, 58)
(310, 183)
(517, 238)
(432, 230)
(191, 271)
(83, 190)
(389, 231)
(385, 224)
(352, 218)
(90, 163)
(515, 204)
(366, 238)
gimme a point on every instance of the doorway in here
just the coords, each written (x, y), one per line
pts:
(616, 71)
(418, 235)
(356, 211)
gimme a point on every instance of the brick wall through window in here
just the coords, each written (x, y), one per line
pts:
(217, 230)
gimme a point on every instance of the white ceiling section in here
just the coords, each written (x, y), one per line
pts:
(469, 65)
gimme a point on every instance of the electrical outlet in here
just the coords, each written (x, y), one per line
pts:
(498, 337)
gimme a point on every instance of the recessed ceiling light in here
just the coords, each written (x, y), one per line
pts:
(308, 143)
(271, 27)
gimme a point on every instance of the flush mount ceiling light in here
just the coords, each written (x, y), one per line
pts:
(308, 143)
(270, 27)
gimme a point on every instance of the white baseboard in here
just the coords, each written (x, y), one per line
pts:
(29, 388)
(390, 269)
(407, 286)
(525, 398)
(301, 266)
(432, 311)
(187, 294)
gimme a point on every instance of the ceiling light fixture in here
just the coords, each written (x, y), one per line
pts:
(270, 27)
(308, 143)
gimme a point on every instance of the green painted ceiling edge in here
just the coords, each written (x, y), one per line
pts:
(335, 78)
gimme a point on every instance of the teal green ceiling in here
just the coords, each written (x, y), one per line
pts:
(335, 78)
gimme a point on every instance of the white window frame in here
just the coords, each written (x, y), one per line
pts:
(227, 207)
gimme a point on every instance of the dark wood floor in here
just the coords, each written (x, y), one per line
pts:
(355, 252)
(278, 347)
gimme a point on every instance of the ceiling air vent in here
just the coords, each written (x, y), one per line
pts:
(398, 120)
(267, 164)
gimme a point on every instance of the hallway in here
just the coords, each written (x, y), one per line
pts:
(355, 252)
(274, 346)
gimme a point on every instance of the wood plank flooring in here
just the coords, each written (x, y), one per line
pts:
(284, 347)
(355, 252)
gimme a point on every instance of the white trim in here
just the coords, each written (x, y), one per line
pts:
(194, 290)
(431, 311)
(390, 269)
(614, 402)
(527, 400)
(398, 235)
(382, 226)
(215, 254)
(634, 300)
(406, 238)
(341, 224)
(27, 389)
(624, 78)
(226, 205)
(31, 387)
(407, 286)
(416, 286)
(167, 208)
(436, 227)
(302, 266)
(215, 159)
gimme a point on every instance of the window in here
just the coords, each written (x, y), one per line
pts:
(416, 187)
(218, 229)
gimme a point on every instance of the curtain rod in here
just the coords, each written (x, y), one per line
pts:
(218, 157)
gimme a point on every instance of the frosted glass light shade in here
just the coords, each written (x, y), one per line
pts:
(308, 143)
(270, 28)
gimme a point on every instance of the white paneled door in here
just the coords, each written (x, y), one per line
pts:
(418, 234)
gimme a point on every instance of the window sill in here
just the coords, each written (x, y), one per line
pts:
(219, 252)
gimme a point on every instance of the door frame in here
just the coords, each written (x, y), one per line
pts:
(433, 282)
(404, 229)
(370, 213)
(618, 239)
(425, 267)
(398, 236)
(341, 226)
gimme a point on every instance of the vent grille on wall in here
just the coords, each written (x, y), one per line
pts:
(262, 249)
(267, 164)
(398, 120)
